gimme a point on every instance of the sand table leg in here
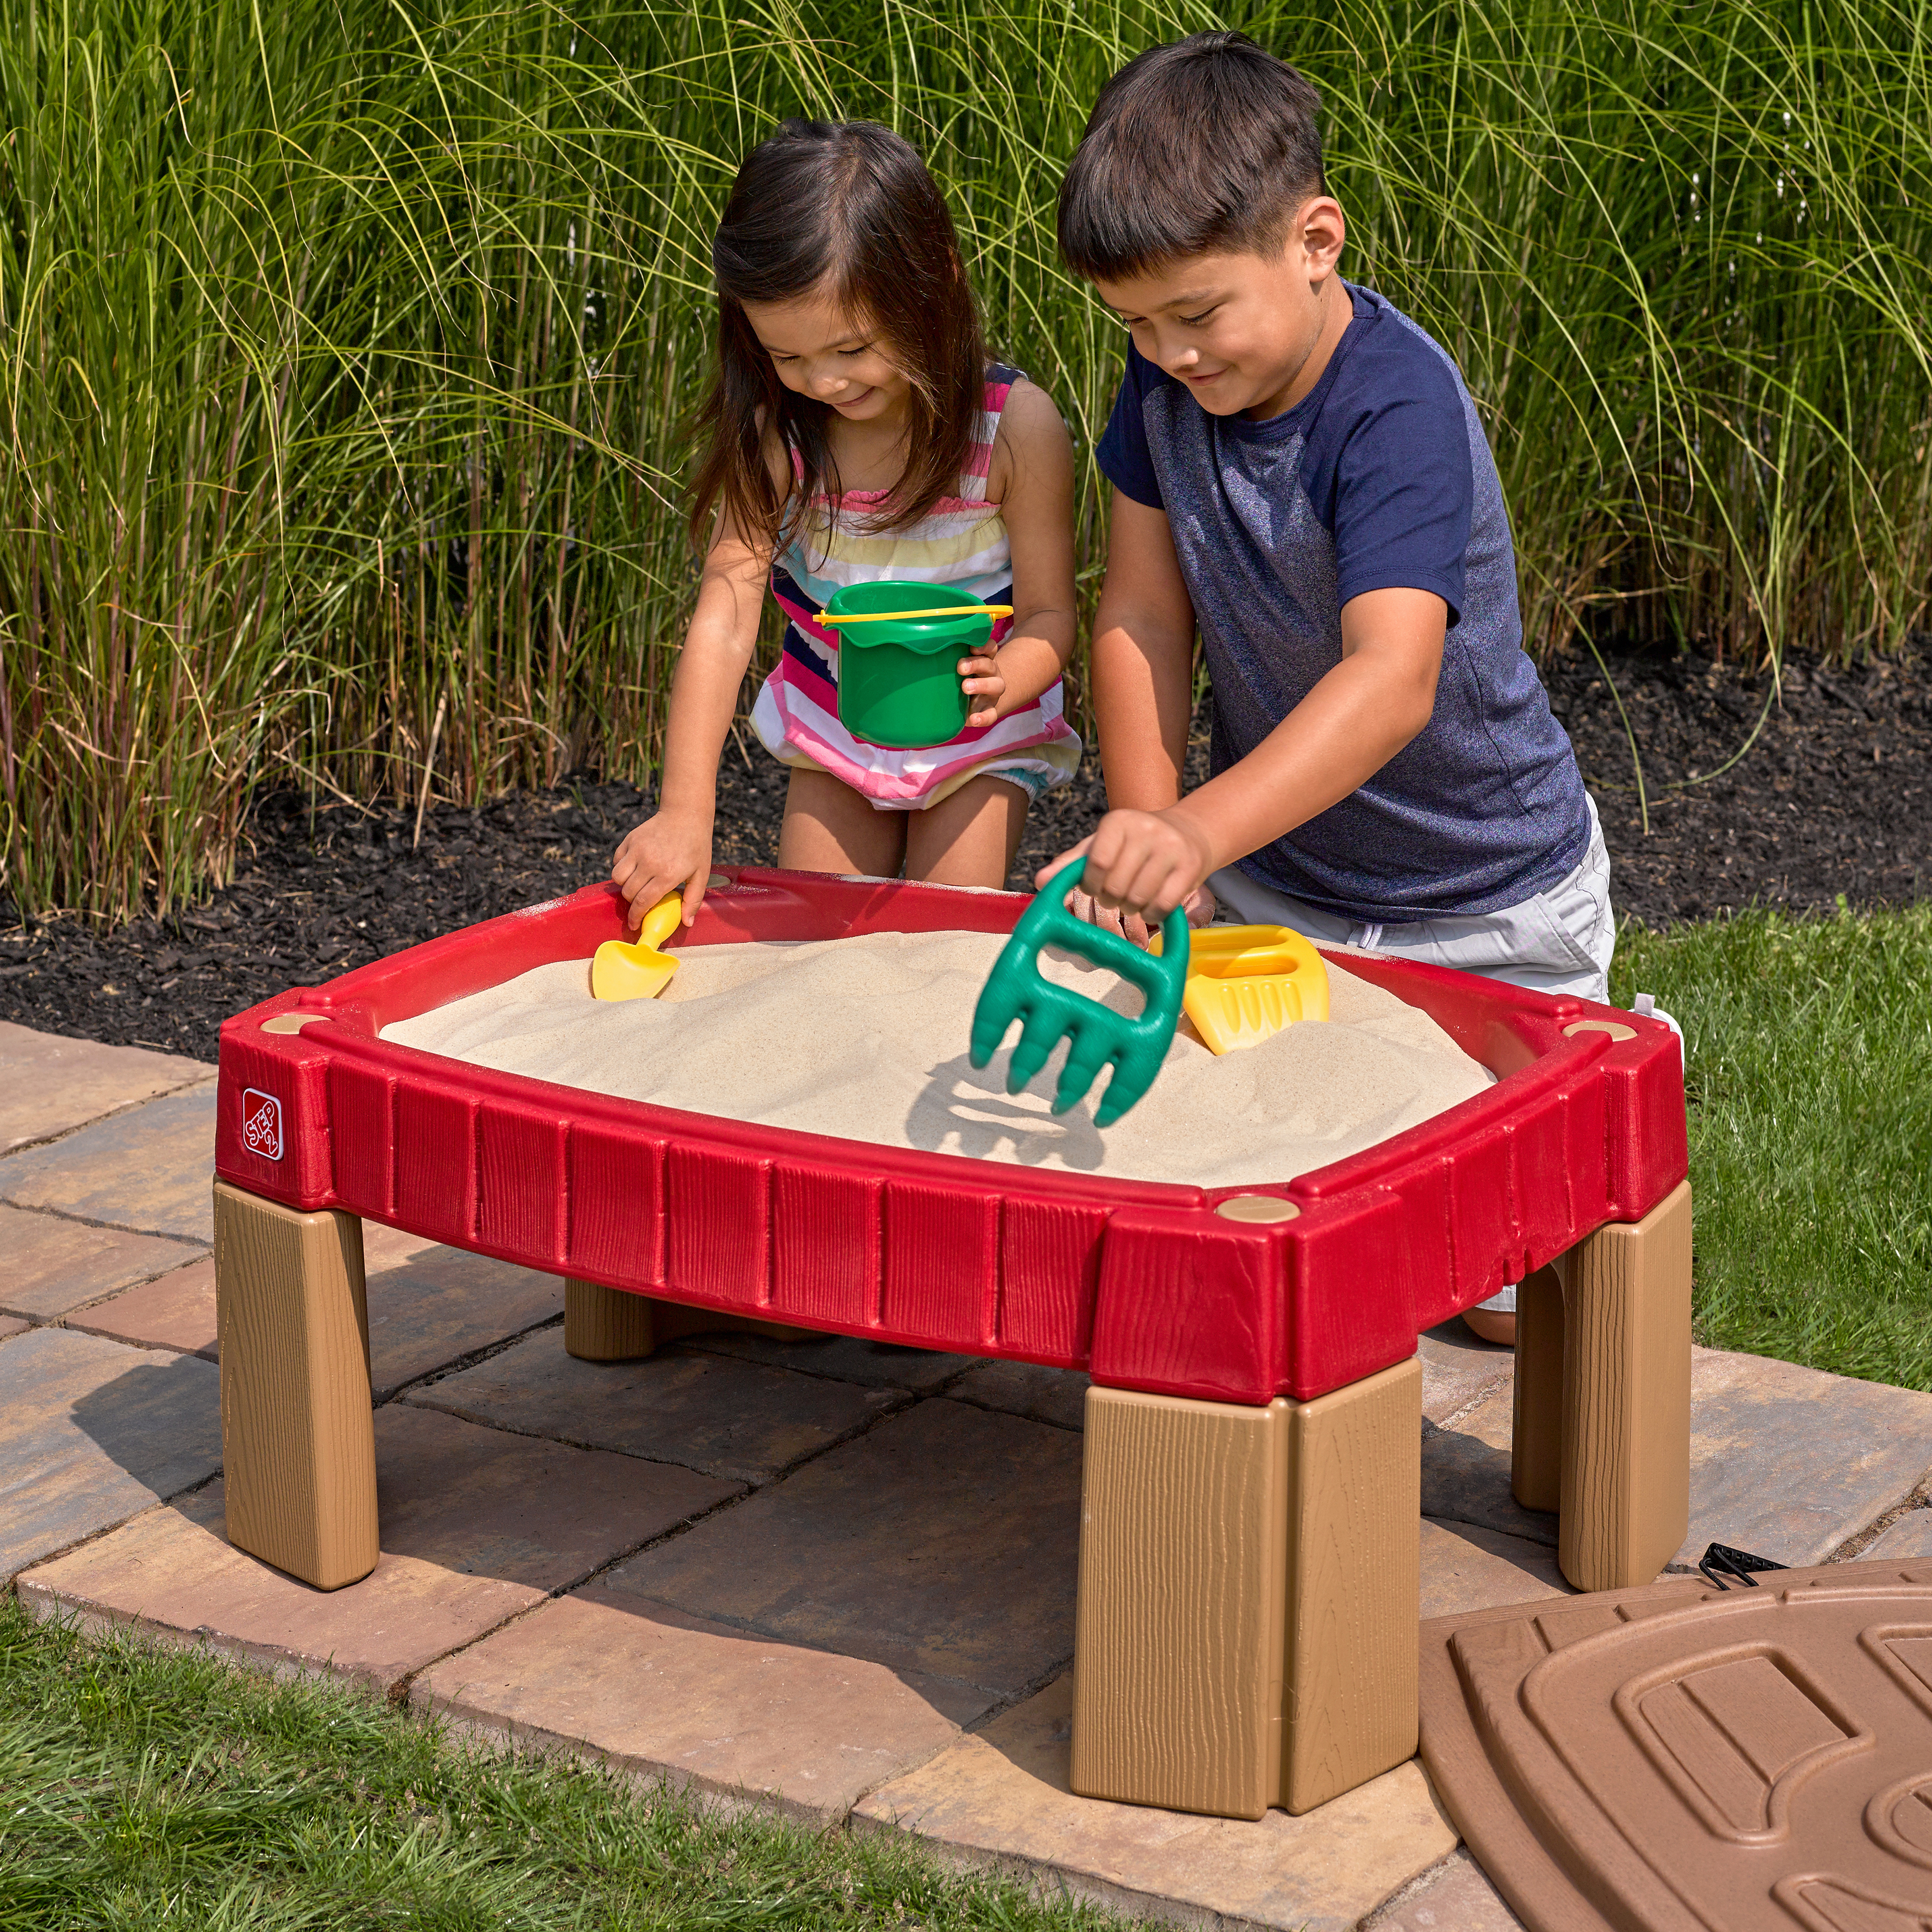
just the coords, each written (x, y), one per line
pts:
(1249, 1597)
(1536, 1440)
(611, 1325)
(604, 1325)
(1626, 1457)
(299, 1448)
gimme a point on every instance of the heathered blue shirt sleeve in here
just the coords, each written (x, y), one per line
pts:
(1380, 478)
(1404, 490)
(1123, 453)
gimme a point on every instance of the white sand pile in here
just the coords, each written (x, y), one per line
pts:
(866, 1038)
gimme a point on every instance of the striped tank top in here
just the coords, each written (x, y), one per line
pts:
(960, 543)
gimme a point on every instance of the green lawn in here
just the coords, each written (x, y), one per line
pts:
(1809, 1076)
(143, 1789)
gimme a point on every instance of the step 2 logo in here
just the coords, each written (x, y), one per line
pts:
(261, 1124)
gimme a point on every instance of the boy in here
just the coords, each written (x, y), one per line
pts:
(1298, 470)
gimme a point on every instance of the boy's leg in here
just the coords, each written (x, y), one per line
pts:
(1246, 901)
(829, 827)
(1559, 941)
(970, 837)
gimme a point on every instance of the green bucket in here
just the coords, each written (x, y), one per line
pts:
(899, 683)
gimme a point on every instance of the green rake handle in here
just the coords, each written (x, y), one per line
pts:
(1016, 990)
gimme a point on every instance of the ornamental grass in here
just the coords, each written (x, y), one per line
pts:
(348, 350)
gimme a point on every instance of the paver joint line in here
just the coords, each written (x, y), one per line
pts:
(400, 1691)
(190, 1241)
(1469, 1408)
(696, 1344)
(457, 1364)
(906, 1401)
(112, 1113)
(1861, 1540)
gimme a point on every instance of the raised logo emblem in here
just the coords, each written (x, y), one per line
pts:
(261, 1124)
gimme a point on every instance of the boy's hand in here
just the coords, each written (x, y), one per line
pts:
(1140, 866)
(981, 680)
(1201, 907)
(669, 853)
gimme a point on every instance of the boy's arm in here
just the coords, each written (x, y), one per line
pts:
(1146, 861)
(1143, 660)
(1032, 480)
(1143, 690)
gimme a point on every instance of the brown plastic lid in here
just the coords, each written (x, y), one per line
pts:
(1678, 1758)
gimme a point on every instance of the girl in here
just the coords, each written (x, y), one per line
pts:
(858, 433)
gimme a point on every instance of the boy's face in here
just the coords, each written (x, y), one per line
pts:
(1248, 334)
(819, 350)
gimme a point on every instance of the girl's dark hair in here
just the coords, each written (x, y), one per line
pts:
(848, 207)
(1207, 145)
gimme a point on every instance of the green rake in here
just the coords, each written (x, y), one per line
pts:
(1016, 990)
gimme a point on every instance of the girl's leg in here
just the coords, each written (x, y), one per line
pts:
(829, 827)
(969, 838)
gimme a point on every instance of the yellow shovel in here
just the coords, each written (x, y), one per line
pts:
(1246, 982)
(624, 969)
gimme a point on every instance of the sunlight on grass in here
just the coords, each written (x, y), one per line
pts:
(1810, 1080)
(141, 1788)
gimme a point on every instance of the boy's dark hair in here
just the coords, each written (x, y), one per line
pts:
(850, 206)
(1207, 145)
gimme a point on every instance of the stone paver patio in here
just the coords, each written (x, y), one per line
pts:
(826, 1576)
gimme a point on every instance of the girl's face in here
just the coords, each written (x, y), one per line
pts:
(821, 351)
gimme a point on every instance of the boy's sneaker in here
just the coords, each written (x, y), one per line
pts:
(1646, 1007)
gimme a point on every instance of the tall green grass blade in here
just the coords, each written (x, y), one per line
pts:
(346, 351)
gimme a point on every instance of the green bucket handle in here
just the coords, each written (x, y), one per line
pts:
(1016, 989)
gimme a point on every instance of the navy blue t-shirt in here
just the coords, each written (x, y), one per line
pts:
(1381, 478)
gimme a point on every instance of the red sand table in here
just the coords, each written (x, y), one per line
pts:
(1247, 1627)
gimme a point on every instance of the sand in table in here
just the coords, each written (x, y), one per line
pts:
(866, 1038)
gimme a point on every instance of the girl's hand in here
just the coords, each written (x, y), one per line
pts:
(669, 853)
(1140, 866)
(981, 680)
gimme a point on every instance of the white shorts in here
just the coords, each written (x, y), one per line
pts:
(1559, 941)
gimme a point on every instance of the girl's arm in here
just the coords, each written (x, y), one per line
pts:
(1031, 478)
(671, 852)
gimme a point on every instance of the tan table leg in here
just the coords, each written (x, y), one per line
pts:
(298, 1448)
(607, 1324)
(1626, 1457)
(1249, 1590)
(1536, 1440)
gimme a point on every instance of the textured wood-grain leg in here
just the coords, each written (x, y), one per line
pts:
(1626, 1398)
(607, 1324)
(298, 1449)
(1354, 1586)
(1249, 1594)
(1536, 1441)
(1178, 1638)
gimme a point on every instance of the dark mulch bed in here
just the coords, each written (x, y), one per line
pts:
(1834, 797)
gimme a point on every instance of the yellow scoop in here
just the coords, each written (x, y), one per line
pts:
(1245, 982)
(623, 969)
